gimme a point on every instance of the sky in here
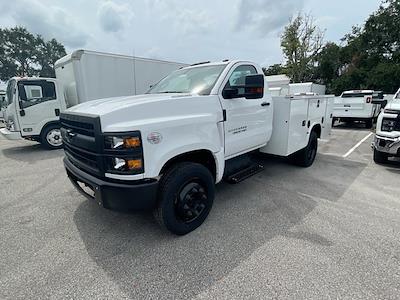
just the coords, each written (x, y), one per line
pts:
(181, 30)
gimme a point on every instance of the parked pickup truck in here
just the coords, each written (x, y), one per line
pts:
(358, 105)
(166, 150)
(387, 138)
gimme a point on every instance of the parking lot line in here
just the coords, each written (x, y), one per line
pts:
(357, 145)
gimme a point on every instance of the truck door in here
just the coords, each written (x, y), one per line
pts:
(248, 122)
(37, 104)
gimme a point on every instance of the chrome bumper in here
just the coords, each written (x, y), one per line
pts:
(387, 145)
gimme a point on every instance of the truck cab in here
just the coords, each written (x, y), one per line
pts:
(358, 105)
(387, 138)
(33, 109)
(165, 150)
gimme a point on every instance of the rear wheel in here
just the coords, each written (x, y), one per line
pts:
(305, 157)
(186, 195)
(51, 137)
(380, 157)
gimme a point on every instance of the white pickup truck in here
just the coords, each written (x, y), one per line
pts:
(166, 150)
(387, 138)
(358, 105)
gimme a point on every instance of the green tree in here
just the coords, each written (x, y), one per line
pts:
(24, 54)
(274, 70)
(47, 54)
(301, 42)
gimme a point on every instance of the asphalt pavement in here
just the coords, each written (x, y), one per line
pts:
(330, 231)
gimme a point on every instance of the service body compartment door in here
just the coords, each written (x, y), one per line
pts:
(316, 111)
(290, 132)
(327, 124)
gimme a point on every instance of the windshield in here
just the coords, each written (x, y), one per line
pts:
(197, 80)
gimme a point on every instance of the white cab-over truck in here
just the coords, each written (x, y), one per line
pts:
(34, 104)
(387, 138)
(358, 105)
(167, 149)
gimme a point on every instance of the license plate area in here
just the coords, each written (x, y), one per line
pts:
(87, 189)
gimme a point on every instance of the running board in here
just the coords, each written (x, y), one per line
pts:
(245, 173)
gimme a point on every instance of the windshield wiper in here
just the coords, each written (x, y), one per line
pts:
(172, 92)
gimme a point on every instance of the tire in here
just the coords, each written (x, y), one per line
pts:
(333, 122)
(185, 197)
(50, 137)
(369, 123)
(380, 157)
(305, 157)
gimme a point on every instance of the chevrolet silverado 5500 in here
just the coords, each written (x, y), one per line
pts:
(165, 150)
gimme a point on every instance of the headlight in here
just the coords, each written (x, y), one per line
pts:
(133, 141)
(388, 124)
(124, 153)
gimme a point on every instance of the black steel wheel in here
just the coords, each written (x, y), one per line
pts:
(185, 197)
(306, 157)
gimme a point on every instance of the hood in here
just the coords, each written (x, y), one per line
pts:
(101, 107)
(130, 113)
(394, 104)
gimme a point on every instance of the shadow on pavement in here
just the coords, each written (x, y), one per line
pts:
(147, 262)
(352, 125)
(31, 153)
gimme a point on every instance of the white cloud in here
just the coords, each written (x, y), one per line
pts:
(266, 16)
(113, 17)
(50, 22)
(185, 20)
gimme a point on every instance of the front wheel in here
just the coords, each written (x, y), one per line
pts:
(186, 195)
(380, 157)
(305, 157)
(51, 137)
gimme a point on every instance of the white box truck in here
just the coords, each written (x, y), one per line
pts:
(358, 105)
(387, 138)
(167, 149)
(34, 104)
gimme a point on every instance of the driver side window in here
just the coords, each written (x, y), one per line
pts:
(238, 77)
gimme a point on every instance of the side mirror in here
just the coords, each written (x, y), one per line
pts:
(230, 93)
(254, 86)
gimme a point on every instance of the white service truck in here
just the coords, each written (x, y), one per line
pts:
(387, 138)
(34, 104)
(167, 149)
(358, 105)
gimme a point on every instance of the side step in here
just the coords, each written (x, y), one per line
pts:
(245, 173)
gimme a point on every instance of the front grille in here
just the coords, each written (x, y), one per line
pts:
(78, 127)
(81, 137)
(87, 158)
